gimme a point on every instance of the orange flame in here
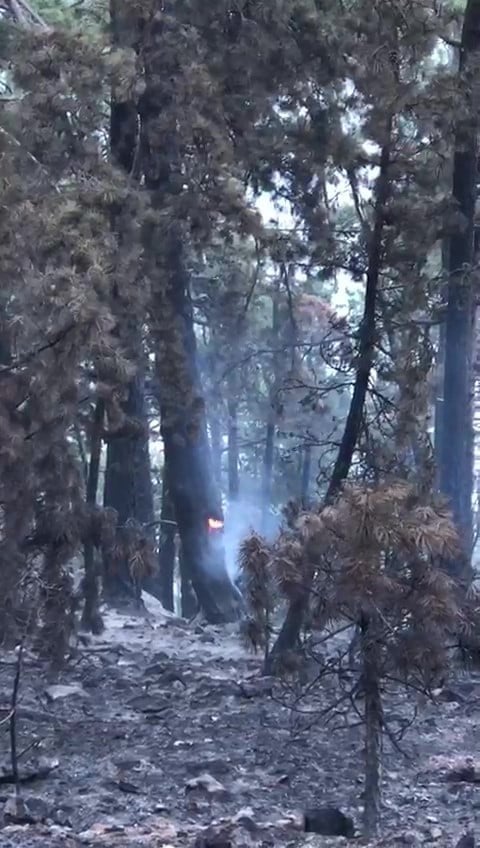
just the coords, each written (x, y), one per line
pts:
(215, 524)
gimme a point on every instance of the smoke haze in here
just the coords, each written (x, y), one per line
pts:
(241, 517)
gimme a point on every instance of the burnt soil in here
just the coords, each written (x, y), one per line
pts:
(163, 733)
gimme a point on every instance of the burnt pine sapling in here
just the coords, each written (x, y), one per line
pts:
(376, 552)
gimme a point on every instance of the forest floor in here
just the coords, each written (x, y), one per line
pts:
(161, 733)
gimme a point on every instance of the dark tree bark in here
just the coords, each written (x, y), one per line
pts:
(188, 598)
(190, 482)
(233, 469)
(267, 470)
(161, 584)
(184, 424)
(128, 486)
(306, 471)
(124, 134)
(440, 374)
(190, 477)
(289, 635)
(269, 454)
(456, 451)
(91, 618)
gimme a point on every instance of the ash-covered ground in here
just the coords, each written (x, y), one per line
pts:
(164, 733)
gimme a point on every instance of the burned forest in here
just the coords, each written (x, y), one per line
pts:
(239, 423)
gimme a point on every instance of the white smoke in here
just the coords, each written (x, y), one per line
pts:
(241, 518)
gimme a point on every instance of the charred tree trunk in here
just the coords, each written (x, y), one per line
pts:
(289, 635)
(91, 618)
(269, 455)
(439, 420)
(128, 486)
(53, 540)
(456, 449)
(124, 135)
(188, 599)
(233, 469)
(190, 478)
(184, 424)
(161, 584)
(57, 613)
(440, 371)
(267, 470)
(306, 471)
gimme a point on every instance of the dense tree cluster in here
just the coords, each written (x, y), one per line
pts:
(238, 253)
(237, 243)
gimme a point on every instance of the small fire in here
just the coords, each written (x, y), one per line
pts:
(215, 524)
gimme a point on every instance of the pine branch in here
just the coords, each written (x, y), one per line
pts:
(22, 13)
(28, 357)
